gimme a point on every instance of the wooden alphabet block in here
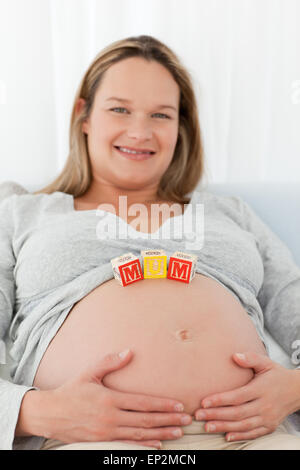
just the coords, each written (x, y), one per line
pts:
(127, 269)
(155, 264)
(182, 267)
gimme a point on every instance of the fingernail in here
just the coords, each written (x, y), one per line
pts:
(240, 356)
(186, 419)
(179, 407)
(200, 415)
(177, 433)
(206, 404)
(124, 353)
(210, 427)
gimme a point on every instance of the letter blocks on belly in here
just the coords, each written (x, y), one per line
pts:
(127, 269)
(182, 267)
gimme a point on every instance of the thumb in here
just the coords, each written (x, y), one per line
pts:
(109, 363)
(258, 362)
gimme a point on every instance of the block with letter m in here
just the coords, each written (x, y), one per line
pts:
(182, 267)
(127, 269)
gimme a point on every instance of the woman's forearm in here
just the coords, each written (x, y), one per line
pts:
(32, 421)
(296, 389)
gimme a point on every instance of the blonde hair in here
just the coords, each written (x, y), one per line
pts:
(186, 167)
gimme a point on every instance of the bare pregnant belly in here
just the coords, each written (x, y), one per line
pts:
(182, 336)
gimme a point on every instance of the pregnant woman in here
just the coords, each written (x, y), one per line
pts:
(135, 134)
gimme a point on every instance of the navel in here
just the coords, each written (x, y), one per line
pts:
(184, 335)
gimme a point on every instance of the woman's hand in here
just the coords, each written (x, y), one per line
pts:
(83, 409)
(258, 407)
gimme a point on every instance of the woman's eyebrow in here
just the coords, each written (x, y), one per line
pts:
(114, 98)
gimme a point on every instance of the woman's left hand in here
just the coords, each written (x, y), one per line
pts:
(256, 408)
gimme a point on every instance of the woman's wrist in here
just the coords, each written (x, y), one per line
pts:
(32, 416)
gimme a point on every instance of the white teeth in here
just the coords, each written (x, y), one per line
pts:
(132, 151)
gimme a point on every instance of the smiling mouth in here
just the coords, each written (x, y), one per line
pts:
(135, 156)
(134, 152)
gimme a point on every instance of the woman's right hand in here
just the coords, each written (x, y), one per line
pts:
(83, 409)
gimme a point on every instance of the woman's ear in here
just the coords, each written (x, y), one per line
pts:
(78, 109)
(79, 105)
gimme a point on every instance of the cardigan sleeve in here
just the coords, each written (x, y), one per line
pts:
(11, 394)
(279, 295)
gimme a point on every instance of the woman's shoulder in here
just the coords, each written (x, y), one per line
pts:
(9, 188)
(206, 195)
(218, 203)
(30, 202)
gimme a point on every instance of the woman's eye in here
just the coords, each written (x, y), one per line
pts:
(167, 117)
(113, 109)
(160, 114)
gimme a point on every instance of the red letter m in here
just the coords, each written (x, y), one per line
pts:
(180, 269)
(131, 272)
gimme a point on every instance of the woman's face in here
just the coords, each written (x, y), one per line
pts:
(147, 120)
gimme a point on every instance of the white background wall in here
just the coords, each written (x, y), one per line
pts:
(244, 57)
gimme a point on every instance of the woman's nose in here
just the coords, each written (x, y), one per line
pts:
(139, 129)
